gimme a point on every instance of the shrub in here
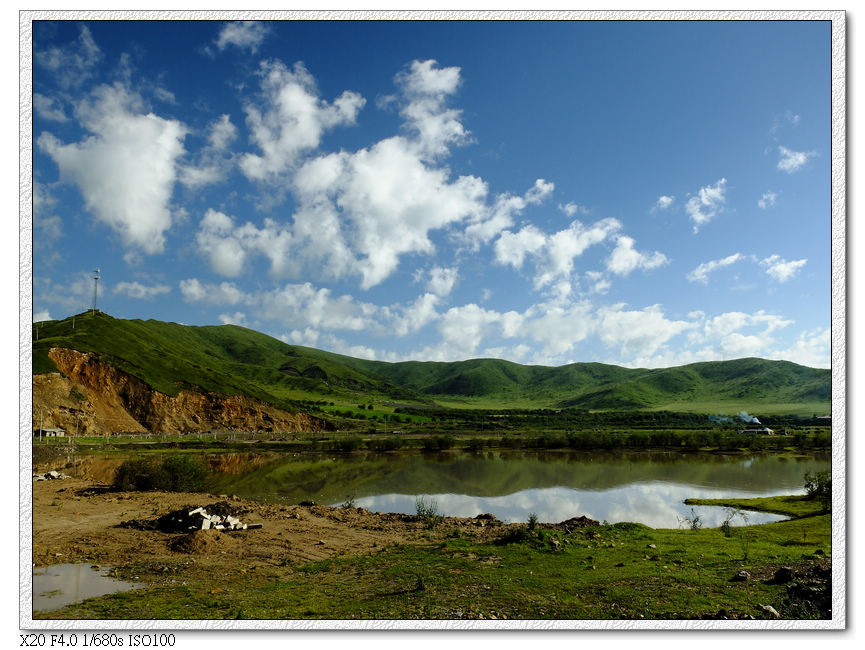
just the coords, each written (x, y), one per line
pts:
(137, 474)
(385, 444)
(437, 443)
(819, 486)
(426, 509)
(694, 522)
(516, 536)
(349, 444)
(183, 473)
(175, 473)
(533, 521)
(731, 514)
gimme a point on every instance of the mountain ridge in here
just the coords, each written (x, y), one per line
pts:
(233, 360)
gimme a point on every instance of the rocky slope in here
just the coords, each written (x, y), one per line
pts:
(92, 397)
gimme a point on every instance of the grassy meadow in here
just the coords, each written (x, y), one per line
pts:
(618, 571)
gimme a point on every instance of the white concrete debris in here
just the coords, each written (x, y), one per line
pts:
(199, 519)
(50, 476)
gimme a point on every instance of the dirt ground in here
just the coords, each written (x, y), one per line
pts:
(76, 520)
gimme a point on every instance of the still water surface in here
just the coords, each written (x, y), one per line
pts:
(63, 584)
(643, 487)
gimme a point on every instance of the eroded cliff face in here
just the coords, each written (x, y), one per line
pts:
(92, 397)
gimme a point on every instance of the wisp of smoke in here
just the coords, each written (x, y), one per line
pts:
(748, 418)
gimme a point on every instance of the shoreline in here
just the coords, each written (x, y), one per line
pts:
(325, 562)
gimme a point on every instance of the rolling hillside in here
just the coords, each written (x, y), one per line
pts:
(232, 360)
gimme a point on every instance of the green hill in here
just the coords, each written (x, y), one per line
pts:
(232, 360)
(226, 359)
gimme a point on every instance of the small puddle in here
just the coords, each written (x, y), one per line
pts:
(63, 584)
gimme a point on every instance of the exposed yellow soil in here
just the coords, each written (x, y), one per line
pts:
(76, 520)
(91, 397)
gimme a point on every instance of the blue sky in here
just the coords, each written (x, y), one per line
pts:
(639, 193)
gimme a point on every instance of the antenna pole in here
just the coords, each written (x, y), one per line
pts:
(95, 288)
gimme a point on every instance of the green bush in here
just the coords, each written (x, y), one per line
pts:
(183, 473)
(174, 474)
(437, 443)
(426, 509)
(138, 474)
(385, 444)
(349, 444)
(819, 486)
(694, 522)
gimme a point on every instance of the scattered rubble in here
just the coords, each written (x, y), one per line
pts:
(771, 611)
(53, 475)
(782, 576)
(809, 594)
(185, 520)
(192, 518)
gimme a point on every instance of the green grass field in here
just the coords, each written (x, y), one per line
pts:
(620, 571)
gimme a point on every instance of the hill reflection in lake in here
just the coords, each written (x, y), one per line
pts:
(647, 487)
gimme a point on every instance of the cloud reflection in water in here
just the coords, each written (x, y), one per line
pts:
(655, 504)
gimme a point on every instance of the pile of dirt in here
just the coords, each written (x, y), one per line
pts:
(576, 522)
(203, 542)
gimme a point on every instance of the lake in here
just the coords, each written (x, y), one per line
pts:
(647, 487)
(644, 487)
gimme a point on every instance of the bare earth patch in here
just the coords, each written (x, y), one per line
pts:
(76, 520)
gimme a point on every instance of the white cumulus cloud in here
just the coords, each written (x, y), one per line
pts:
(126, 169)
(489, 222)
(246, 35)
(625, 258)
(701, 273)
(426, 87)
(442, 280)
(664, 202)
(637, 332)
(225, 293)
(811, 348)
(49, 108)
(292, 120)
(780, 269)
(554, 254)
(704, 205)
(767, 200)
(214, 159)
(74, 63)
(227, 246)
(139, 291)
(237, 318)
(793, 161)
(512, 248)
